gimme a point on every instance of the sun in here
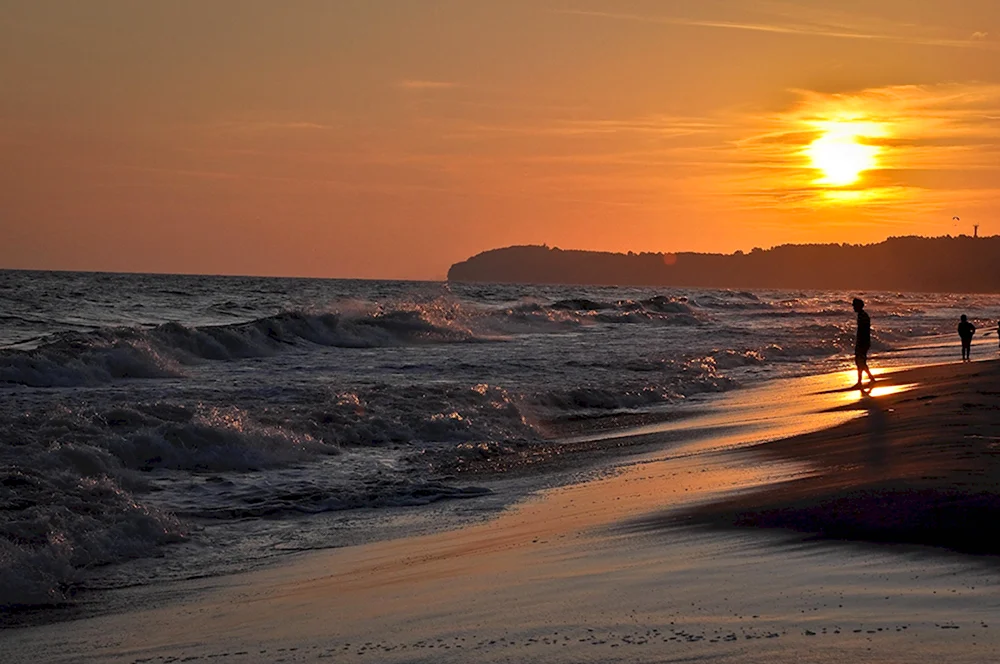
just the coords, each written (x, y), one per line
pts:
(839, 153)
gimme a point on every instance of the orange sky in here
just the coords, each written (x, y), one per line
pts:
(391, 138)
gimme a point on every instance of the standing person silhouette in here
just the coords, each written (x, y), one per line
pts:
(863, 341)
(965, 332)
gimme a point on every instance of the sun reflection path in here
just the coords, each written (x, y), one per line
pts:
(878, 391)
(846, 380)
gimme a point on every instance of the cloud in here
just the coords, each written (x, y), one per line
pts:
(932, 139)
(979, 36)
(422, 84)
(833, 30)
(271, 125)
(661, 126)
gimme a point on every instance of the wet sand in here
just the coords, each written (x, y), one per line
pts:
(623, 567)
(922, 467)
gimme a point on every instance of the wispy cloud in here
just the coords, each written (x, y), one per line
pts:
(934, 142)
(417, 84)
(940, 147)
(265, 125)
(834, 30)
(662, 126)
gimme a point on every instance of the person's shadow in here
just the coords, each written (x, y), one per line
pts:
(878, 443)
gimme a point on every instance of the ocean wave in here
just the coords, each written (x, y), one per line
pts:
(375, 328)
(580, 304)
(105, 355)
(312, 494)
(59, 520)
(674, 380)
(84, 487)
(729, 300)
(667, 305)
(730, 359)
(576, 312)
(90, 484)
(220, 439)
(87, 359)
(93, 358)
(77, 491)
(579, 400)
(383, 414)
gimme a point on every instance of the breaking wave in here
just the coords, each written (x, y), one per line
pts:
(161, 352)
(62, 516)
(122, 433)
(98, 357)
(85, 488)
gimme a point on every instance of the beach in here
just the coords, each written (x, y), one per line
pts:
(732, 542)
(197, 426)
(499, 331)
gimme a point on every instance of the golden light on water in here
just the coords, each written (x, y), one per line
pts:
(841, 154)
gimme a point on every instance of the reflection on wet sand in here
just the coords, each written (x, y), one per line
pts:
(918, 467)
(781, 409)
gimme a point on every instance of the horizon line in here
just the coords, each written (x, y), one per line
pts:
(444, 278)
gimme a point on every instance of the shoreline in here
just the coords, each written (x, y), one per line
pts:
(613, 565)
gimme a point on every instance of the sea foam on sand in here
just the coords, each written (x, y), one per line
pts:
(621, 568)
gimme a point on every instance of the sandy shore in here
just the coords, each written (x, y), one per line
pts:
(622, 567)
(923, 467)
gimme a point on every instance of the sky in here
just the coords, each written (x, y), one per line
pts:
(392, 138)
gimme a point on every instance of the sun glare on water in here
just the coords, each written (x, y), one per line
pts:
(840, 152)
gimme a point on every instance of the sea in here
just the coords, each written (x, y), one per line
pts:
(156, 428)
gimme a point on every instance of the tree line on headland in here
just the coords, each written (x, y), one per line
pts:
(960, 264)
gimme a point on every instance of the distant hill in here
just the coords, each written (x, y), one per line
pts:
(943, 264)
